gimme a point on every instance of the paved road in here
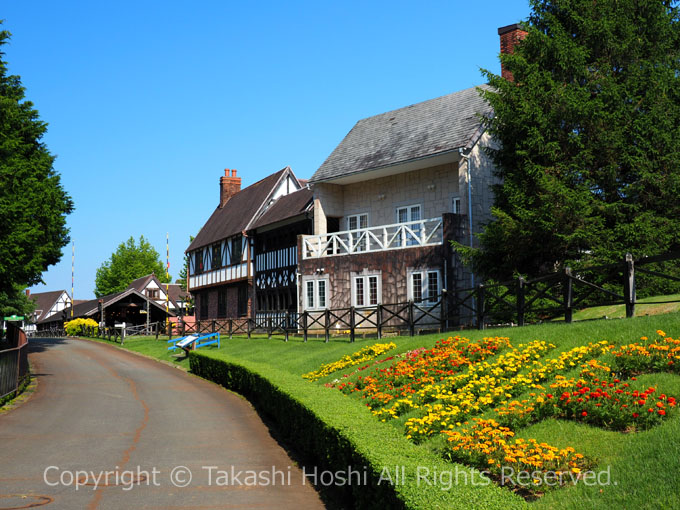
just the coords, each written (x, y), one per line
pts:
(99, 409)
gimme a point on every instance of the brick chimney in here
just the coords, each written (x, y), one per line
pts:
(510, 36)
(229, 186)
(28, 293)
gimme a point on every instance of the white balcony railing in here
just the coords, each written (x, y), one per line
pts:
(384, 237)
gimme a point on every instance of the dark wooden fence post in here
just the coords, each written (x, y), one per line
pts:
(352, 324)
(304, 326)
(213, 329)
(378, 320)
(568, 296)
(411, 322)
(248, 326)
(480, 306)
(269, 327)
(629, 285)
(520, 301)
(444, 312)
(286, 324)
(327, 324)
(231, 328)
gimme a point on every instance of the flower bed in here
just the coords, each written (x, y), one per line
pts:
(365, 354)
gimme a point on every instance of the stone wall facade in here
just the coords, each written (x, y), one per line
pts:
(393, 267)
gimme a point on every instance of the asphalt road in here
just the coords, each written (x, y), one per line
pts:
(108, 429)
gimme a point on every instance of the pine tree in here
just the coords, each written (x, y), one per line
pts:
(589, 138)
(33, 204)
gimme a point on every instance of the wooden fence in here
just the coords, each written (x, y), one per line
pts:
(516, 302)
(13, 361)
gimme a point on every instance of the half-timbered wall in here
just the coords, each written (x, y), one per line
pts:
(220, 262)
(276, 267)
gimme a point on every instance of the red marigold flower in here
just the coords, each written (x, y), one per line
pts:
(635, 415)
(584, 413)
(661, 412)
(659, 404)
(650, 410)
(641, 402)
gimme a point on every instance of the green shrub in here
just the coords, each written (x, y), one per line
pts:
(78, 327)
(335, 433)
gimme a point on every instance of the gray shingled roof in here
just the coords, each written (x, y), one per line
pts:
(424, 129)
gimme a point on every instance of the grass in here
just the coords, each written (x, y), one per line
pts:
(655, 307)
(643, 466)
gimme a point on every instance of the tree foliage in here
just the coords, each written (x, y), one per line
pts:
(589, 134)
(129, 262)
(183, 273)
(33, 203)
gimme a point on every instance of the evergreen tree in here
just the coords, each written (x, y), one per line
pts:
(129, 262)
(33, 204)
(589, 138)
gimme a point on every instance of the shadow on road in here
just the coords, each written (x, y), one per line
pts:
(43, 344)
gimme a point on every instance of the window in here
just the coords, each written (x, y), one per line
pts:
(366, 290)
(455, 205)
(424, 286)
(198, 261)
(236, 250)
(222, 303)
(216, 256)
(203, 298)
(243, 301)
(152, 293)
(356, 222)
(406, 215)
(316, 294)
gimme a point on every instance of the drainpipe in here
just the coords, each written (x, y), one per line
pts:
(466, 157)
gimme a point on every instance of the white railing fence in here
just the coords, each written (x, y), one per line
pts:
(383, 237)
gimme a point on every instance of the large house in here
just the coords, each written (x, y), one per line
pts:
(373, 224)
(47, 305)
(223, 263)
(392, 195)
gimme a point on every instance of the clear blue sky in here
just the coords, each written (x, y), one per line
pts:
(147, 102)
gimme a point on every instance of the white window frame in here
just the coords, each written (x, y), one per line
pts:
(425, 274)
(315, 286)
(365, 280)
(456, 205)
(358, 217)
(409, 217)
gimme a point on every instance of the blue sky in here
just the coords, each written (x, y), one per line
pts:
(147, 102)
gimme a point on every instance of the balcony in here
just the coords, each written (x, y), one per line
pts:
(411, 234)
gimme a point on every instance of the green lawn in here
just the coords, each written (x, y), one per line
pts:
(643, 466)
(655, 307)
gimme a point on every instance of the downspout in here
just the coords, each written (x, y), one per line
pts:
(466, 157)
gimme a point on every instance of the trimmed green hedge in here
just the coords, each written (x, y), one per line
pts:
(337, 432)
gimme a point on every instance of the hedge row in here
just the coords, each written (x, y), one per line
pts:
(336, 432)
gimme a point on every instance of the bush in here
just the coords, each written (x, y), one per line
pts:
(334, 434)
(79, 327)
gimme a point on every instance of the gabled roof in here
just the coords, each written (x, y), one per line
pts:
(285, 207)
(239, 211)
(426, 129)
(44, 301)
(140, 283)
(176, 293)
(91, 307)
